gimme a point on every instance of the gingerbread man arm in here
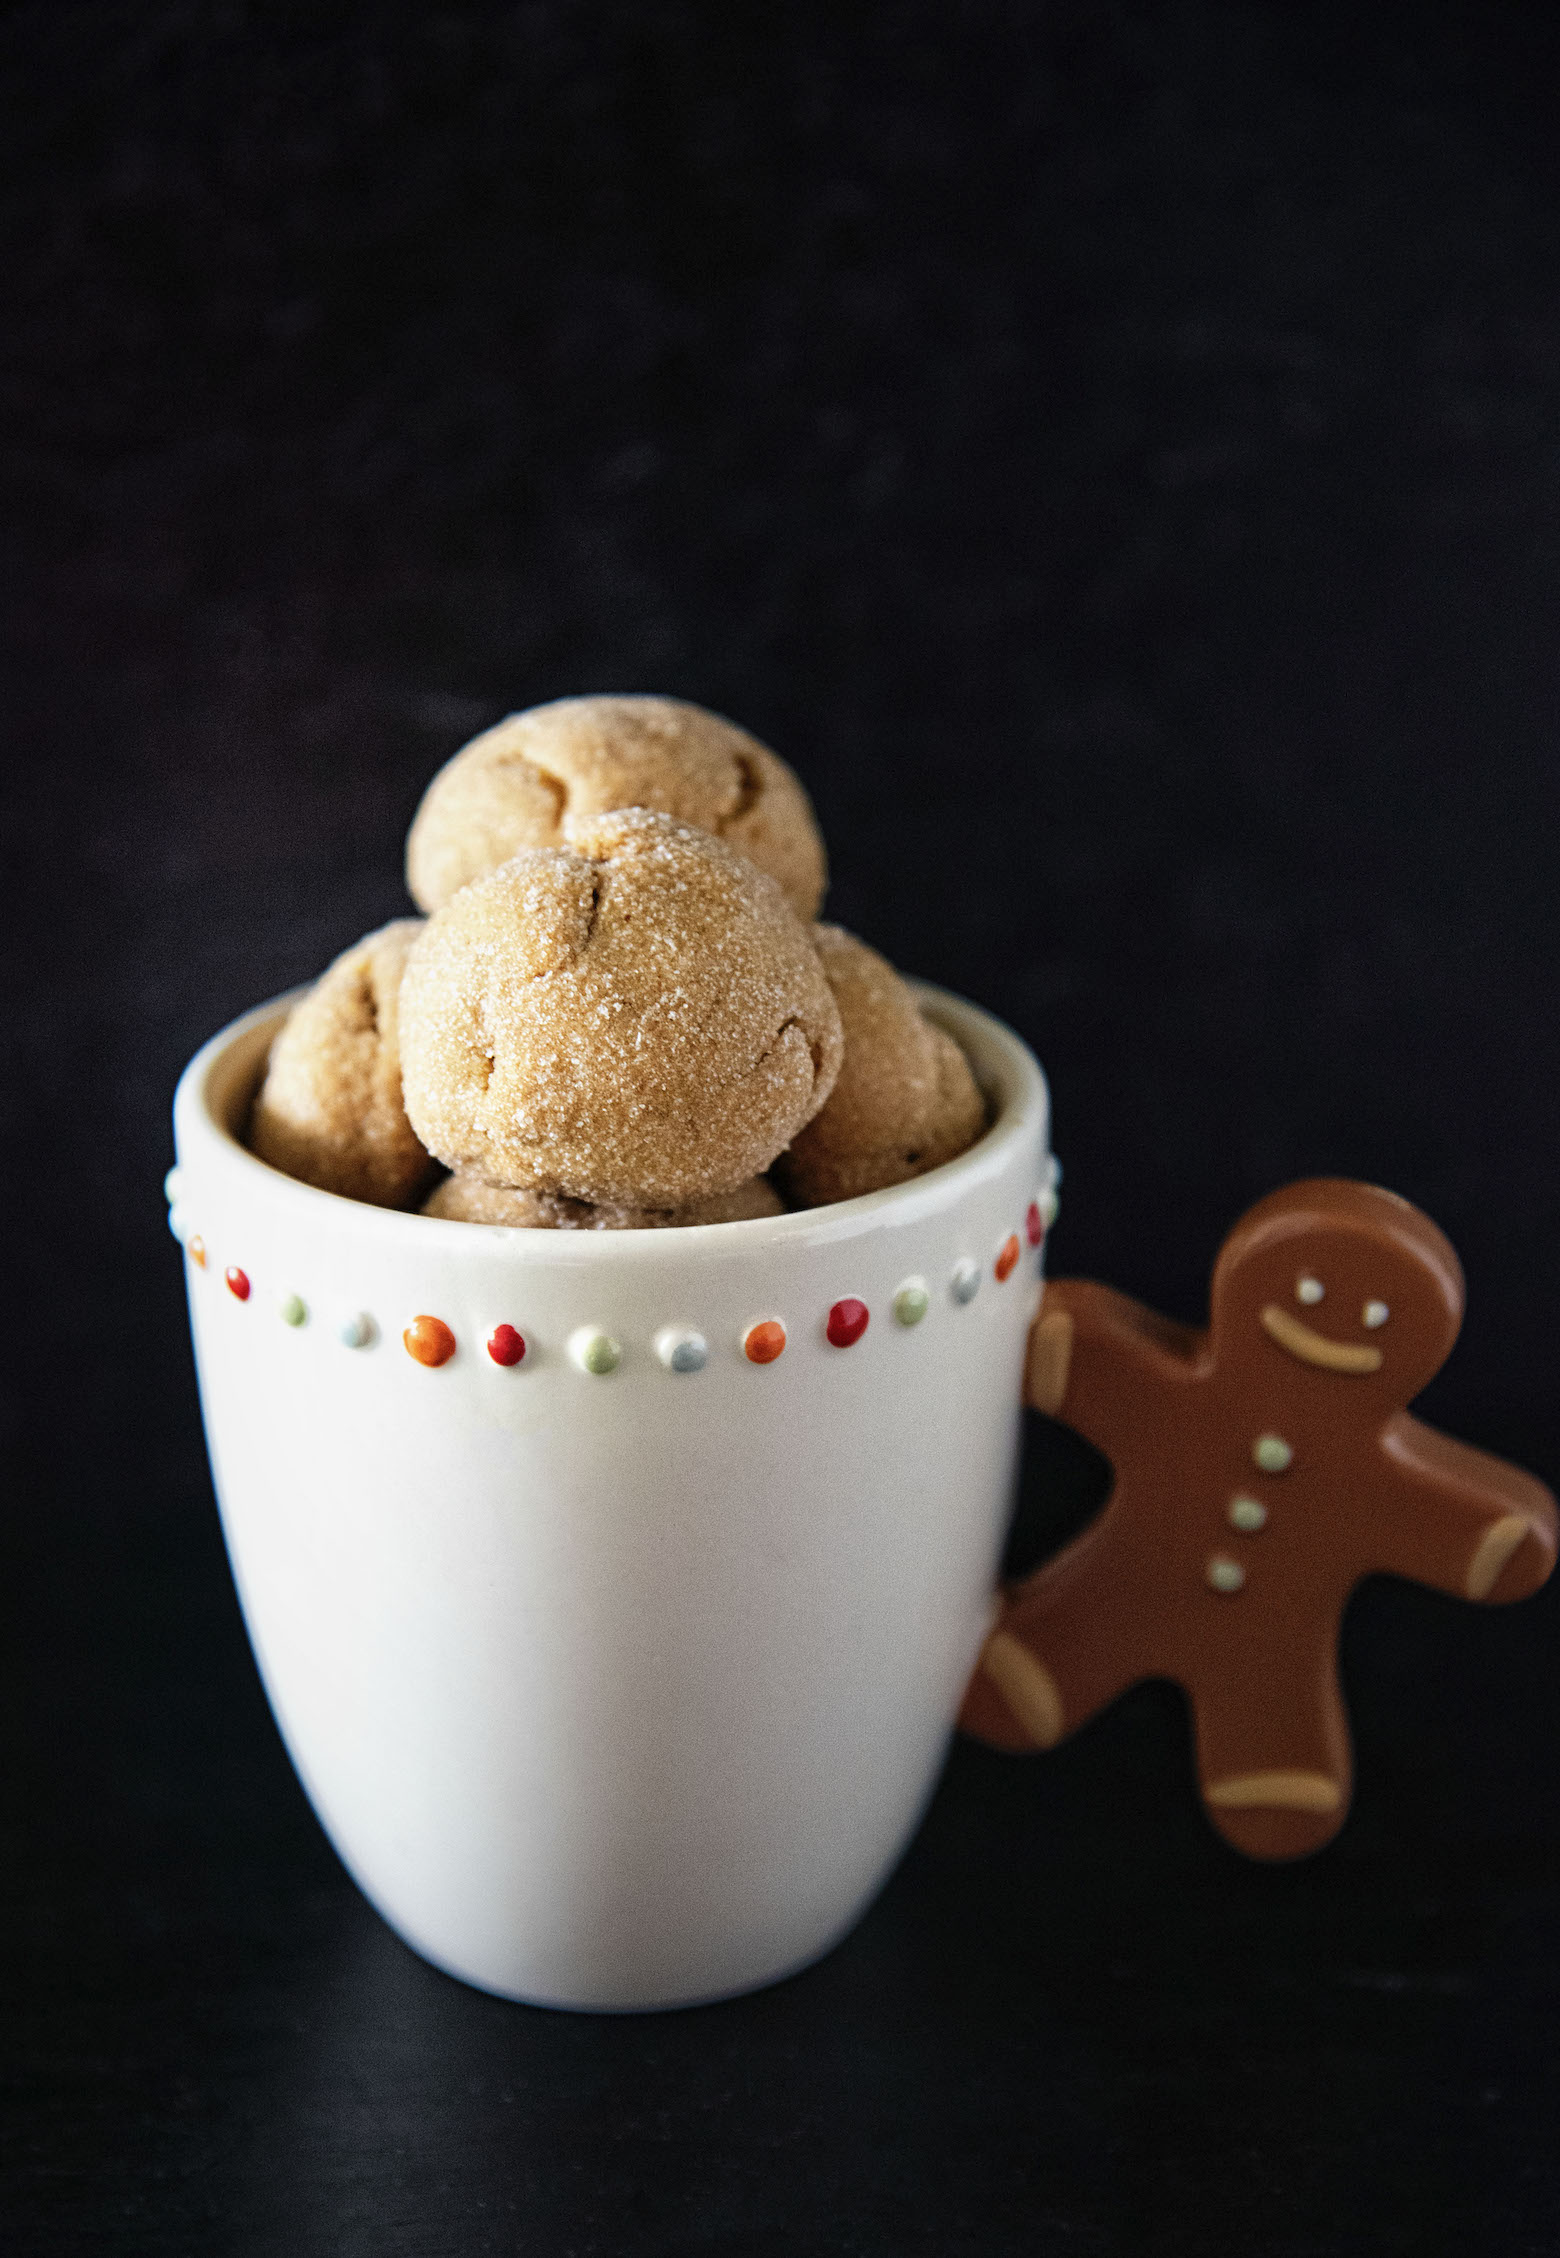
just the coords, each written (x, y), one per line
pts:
(1458, 1519)
(1090, 1344)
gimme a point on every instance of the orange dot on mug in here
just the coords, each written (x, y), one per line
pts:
(196, 1250)
(761, 1344)
(1008, 1257)
(429, 1340)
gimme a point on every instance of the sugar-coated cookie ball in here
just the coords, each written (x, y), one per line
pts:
(467, 1199)
(518, 785)
(329, 1110)
(905, 1100)
(638, 1020)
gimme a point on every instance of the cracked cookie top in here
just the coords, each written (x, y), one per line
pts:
(521, 783)
(638, 1018)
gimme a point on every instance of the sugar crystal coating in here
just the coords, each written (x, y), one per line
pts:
(638, 1019)
(525, 782)
(905, 1100)
(329, 1110)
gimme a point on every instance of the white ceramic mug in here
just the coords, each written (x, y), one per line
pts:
(619, 1675)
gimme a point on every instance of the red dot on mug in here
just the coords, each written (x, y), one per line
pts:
(505, 1345)
(1007, 1258)
(429, 1340)
(237, 1283)
(1033, 1225)
(847, 1322)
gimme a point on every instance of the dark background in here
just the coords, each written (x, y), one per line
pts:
(1114, 452)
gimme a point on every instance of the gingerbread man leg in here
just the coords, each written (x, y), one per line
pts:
(1062, 1648)
(1274, 1767)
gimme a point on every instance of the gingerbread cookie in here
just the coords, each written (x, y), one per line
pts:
(521, 784)
(329, 1110)
(467, 1199)
(638, 1021)
(905, 1100)
(1263, 1466)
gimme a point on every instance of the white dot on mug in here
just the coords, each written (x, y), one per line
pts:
(681, 1349)
(964, 1285)
(356, 1330)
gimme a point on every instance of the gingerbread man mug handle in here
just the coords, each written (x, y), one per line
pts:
(1264, 1464)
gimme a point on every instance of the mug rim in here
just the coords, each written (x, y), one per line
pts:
(1006, 1067)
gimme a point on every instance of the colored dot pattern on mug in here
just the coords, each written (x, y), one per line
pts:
(595, 1352)
(847, 1321)
(681, 1348)
(429, 1341)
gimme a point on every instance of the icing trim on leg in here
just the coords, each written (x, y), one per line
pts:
(1275, 1791)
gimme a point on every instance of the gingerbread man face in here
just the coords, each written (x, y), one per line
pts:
(1346, 1282)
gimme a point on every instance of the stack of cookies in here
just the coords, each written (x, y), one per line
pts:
(618, 1012)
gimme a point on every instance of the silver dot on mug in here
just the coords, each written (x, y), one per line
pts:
(681, 1349)
(964, 1285)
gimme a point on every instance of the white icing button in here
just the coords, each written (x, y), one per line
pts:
(356, 1331)
(1224, 1574)
(1248, 1514)
(1272, 1453)
(964, 1285)
(681, 1349)
(1375, 1313)
(1310, 1291)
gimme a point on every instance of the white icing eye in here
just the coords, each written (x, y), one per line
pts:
(1309, 1290)
(1375, 1313)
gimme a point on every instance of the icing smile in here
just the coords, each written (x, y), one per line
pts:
(1315, 1348)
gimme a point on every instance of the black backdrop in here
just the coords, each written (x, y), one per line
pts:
(1114, 452)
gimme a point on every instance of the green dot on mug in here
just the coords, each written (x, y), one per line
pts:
(292, 1309)
(595, 1352)
(912, 1302)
